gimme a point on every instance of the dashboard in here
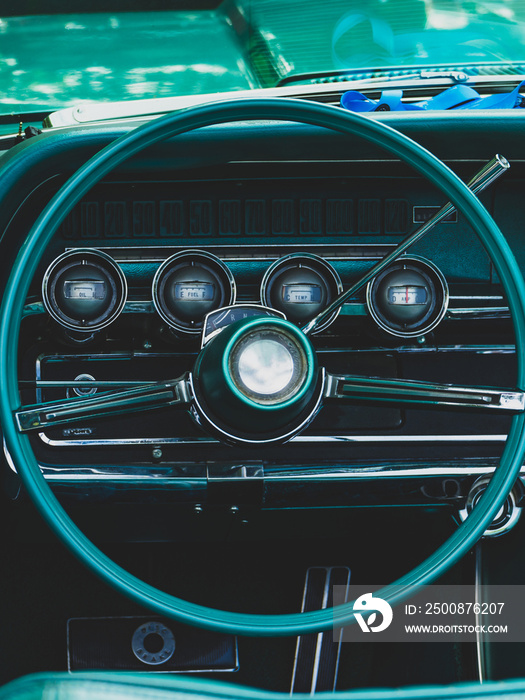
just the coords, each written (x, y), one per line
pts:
(264, 219)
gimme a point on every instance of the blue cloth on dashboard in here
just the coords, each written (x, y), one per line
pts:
(457, 97)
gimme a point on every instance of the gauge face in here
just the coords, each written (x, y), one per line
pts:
(301, 285)
(190, 285)
(409, 298)
(84, 290)
(90, 290)
(408, 295)
(194, 291)
(302, 293)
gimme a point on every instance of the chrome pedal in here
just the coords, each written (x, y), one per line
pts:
(316, 660)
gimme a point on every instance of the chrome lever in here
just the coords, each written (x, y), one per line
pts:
(490, 172)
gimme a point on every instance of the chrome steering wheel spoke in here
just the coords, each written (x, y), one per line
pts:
(422, 394)
(142, 398)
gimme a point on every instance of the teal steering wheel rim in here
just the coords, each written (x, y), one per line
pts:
(25, 266)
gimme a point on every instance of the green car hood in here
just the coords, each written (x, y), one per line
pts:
(48, 62)
(52, 61)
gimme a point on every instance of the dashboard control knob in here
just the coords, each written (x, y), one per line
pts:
(256, 380)
(507, 516)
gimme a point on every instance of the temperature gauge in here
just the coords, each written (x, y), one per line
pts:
(300, 285)
(302, 293)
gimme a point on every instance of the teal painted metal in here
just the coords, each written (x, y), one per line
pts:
(223, 396)
(53, 61)
(300, 37)
(117, 686)
(26, 264)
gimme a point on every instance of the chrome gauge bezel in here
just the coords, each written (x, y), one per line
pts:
(100, 260)
(322, 269)
(191, 258)
(437, 311)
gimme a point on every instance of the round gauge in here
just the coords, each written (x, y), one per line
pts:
(301, 285)
(84, 290)
(188, 286)
(409, 298)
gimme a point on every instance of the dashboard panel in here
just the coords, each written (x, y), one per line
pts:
(288, 236)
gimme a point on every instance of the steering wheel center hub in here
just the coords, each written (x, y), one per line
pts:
(257, 381)
(267, 366)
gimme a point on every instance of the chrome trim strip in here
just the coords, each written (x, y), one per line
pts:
(483, 312)
(198, 472)
(409, 392)
(319, 640)
(477, 297)
(130, 307)
(330, 634)
(322, 92)
(357, 473)
(453, 313)
(400, 438)
(348, 473)
(83, 383)
(253, 252)
(126, 442)
(480, 649)
(159, 481)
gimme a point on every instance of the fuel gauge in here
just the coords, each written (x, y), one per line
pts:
(189, 285)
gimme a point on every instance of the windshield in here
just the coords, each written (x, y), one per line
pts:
(130, 51)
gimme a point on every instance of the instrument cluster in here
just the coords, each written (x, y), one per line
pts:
(85, 290)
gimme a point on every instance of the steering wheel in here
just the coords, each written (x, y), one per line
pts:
(213, 368)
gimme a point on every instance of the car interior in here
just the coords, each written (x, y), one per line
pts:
(259, 352)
